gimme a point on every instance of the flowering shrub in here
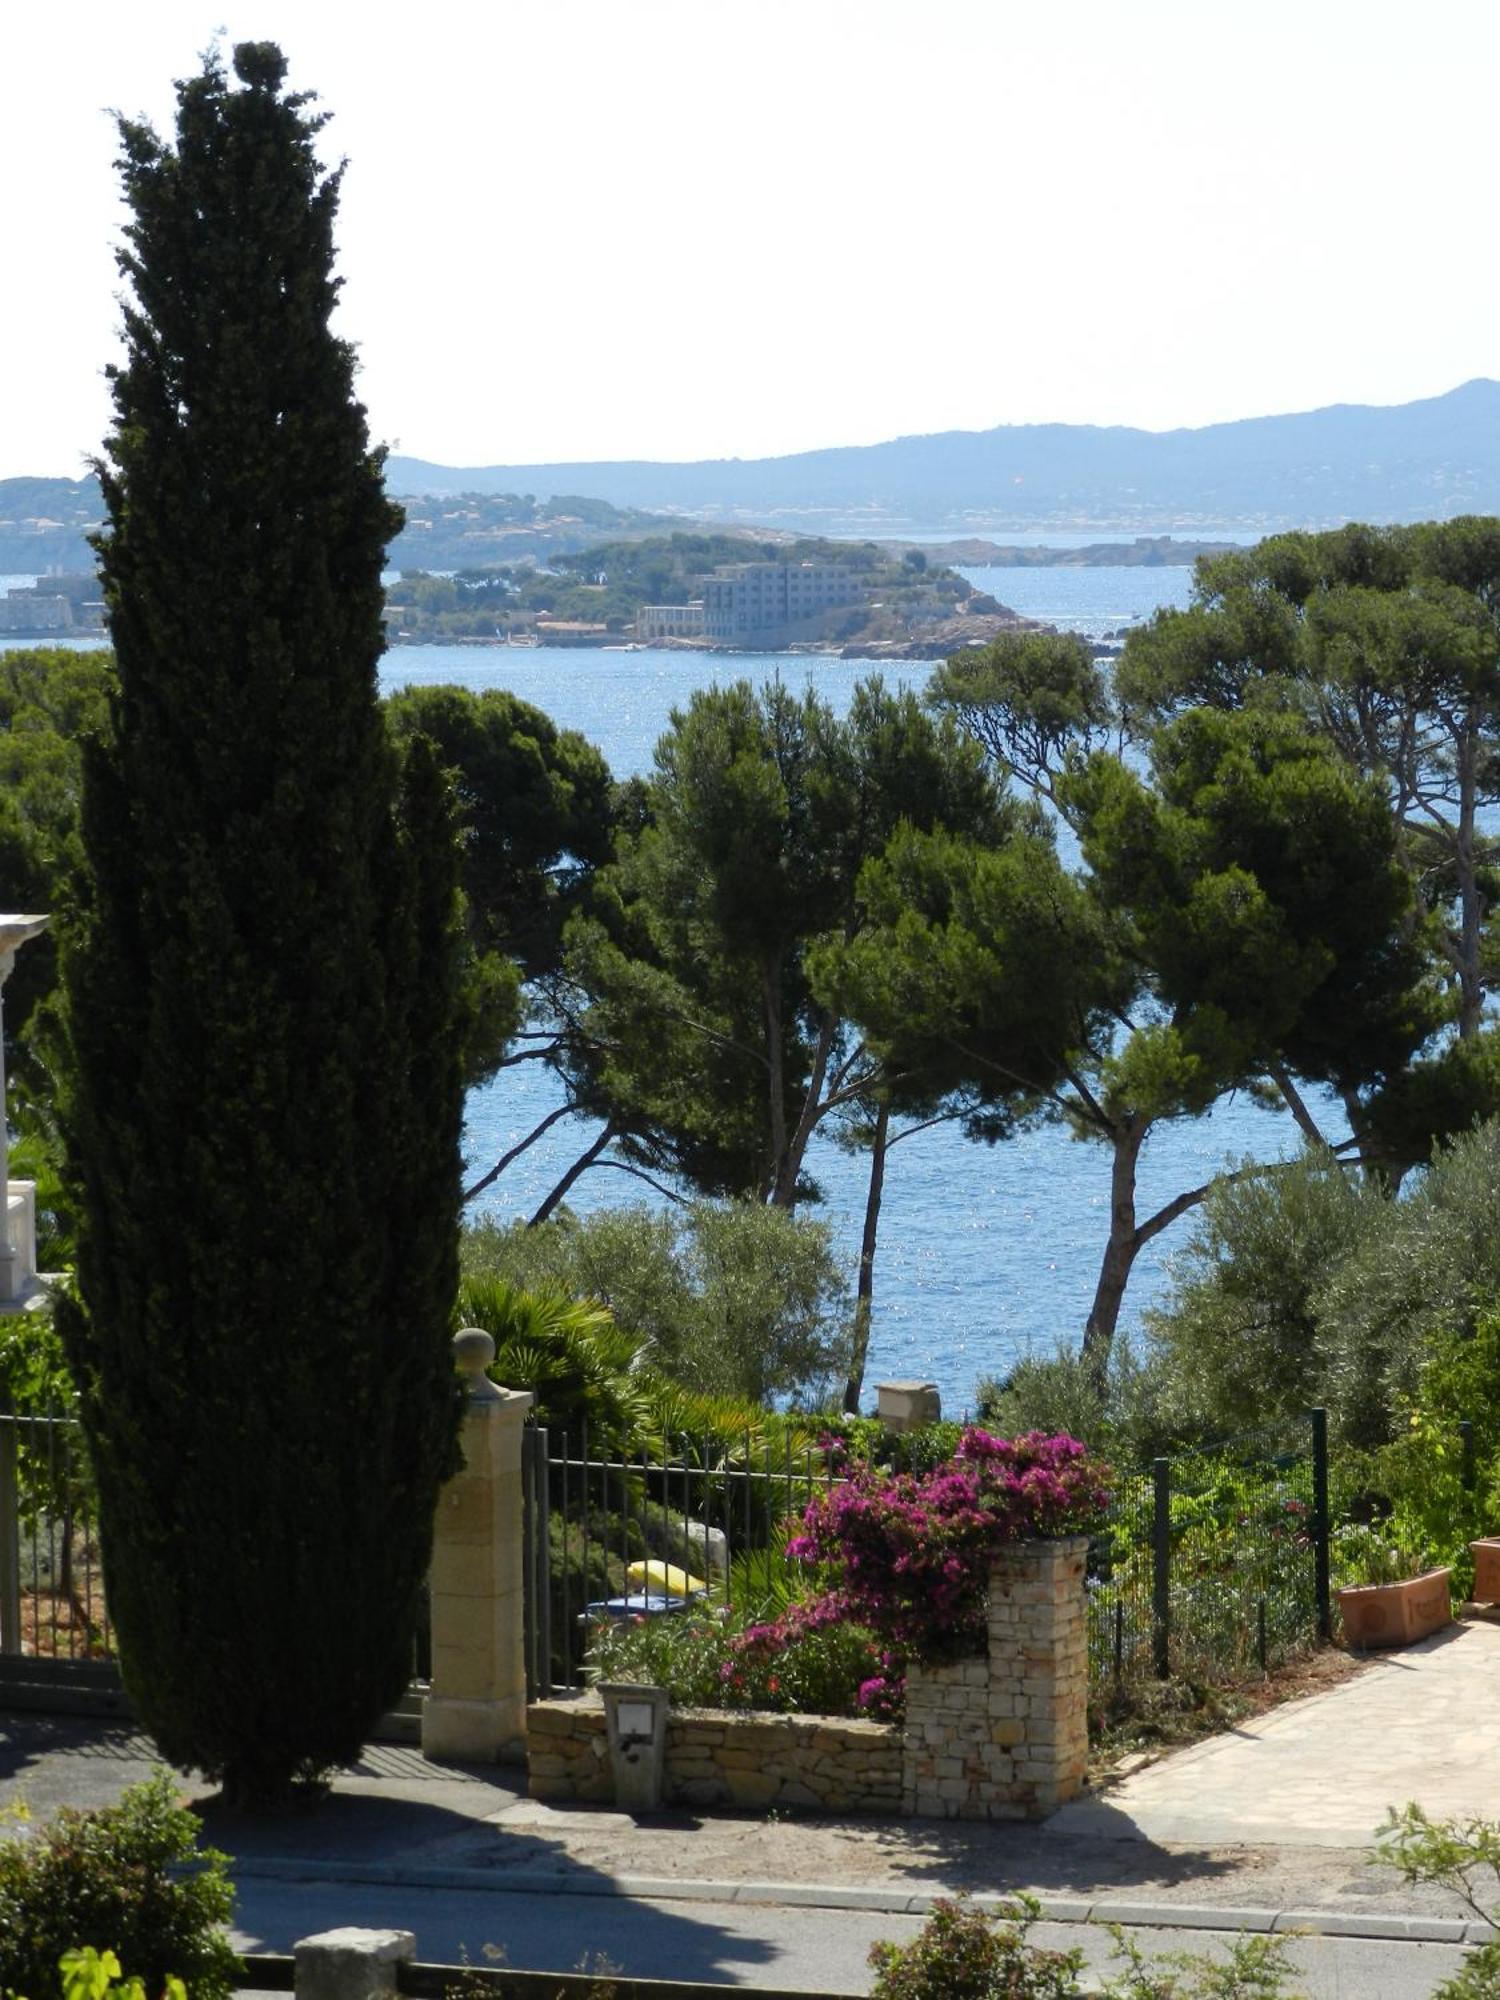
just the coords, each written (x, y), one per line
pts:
(798, 1663)
(908, 1555)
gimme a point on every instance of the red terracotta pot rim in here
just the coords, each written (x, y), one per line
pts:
(1401, 1583)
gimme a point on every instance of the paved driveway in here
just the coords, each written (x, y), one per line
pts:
(1422, 1724)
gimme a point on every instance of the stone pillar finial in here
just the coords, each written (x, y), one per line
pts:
(473, 1351)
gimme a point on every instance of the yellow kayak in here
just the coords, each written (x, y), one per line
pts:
(666, 1577)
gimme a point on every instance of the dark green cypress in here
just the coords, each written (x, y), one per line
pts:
(264, 1110)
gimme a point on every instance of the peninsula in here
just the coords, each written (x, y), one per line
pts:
(730, 591)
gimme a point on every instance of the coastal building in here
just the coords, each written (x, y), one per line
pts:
(744, 602)
(29, 611)
(670, 621)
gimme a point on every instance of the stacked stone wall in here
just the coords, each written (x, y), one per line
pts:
(1004, 1737)
(1007, 1737)
(719, 1758)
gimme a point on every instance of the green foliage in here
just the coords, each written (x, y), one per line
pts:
(975, 966)
(1239, 1527)
(1254, 1968)
(1037, 701)
(725, 1299)
(1262, 887)
(1432, 1267)
(1462, 1856)
(701, 1027)
(1237, 1336)
(961, 1954)
(92, 1975)
(50, 697)
(1387, 640)
(1420, 1475)
(34, 1378)
(571, 1355)
(1127, 1421)
(1361, 1554)
(119, 1876)
(703, 1663)
(535, 818)
(265, 1095)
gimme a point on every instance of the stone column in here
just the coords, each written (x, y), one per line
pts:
(476, 1710)
(1006, 1737)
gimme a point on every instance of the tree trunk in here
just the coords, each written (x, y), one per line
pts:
(1119, 1253)
(864, 1303)
(579, 1167)
(789, 1162)
(770, 988)
(1471, 903)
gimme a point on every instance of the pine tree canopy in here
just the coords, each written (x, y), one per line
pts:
(265, 1098)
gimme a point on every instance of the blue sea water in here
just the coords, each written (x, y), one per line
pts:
(986, 1253)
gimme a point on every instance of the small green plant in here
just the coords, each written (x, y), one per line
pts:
(1463, 1856)
(1255, 1968)
(92, 1975)
(961, 1954)
(1363, 1554)
(111, 1876)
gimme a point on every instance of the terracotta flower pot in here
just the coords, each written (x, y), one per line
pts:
(1394, 1614)
(1486, 1570)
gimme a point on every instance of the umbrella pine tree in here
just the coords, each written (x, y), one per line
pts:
(265, 1097)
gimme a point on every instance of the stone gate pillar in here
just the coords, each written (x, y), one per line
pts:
(1006, 1737)
(476, 1710)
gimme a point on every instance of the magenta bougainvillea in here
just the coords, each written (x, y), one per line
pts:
(907, 1555)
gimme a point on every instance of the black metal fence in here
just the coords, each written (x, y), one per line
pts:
(51, 1582)
(1214, 1562)
(605, 1529)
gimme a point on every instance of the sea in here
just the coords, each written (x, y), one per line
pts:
(987, 1253)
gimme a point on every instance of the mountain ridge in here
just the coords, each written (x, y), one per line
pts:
(1438, 455)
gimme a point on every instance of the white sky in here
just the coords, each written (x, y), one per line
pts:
(574, 229)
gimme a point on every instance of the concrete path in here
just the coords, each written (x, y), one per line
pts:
(1422, 1724)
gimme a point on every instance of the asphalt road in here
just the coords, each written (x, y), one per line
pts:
(744, 1945)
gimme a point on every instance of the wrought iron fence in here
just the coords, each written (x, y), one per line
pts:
(604, 1529)
(51, 1582)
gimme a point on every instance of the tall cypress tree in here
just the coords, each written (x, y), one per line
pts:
(264, 1111)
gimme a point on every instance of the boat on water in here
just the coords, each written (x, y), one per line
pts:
(522, 639)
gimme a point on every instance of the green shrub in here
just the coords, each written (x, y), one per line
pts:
(1130, 1423)
(1238, 1335)
(1462, 1856)
(106, 1879)
(705, 1661)
(960, 1954)
(731, 1298)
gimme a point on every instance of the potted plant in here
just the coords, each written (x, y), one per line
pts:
(1389, 1594)
(1486, 1556)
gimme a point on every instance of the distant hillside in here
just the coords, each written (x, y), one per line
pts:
(43, 523)
(1429, 459)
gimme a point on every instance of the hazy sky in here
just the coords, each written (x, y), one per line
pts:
(574, 229)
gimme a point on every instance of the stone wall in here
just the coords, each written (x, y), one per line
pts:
(999, 1738)
(1007, 1737)
(719, 1758)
